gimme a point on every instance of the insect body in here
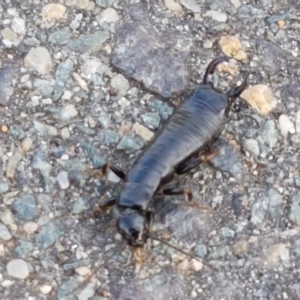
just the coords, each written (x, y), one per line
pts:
(176, 149)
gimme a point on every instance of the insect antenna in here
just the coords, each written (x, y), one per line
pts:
(182, 251)
(104, 264)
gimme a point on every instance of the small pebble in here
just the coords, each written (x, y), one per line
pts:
(18, 25)
(82, 83)
(184, 264)
(125, 129)
(60, 37)
(80, 206)
(269, 133)
(7, 218)
(4, 128)
(120, 83)
(232, 46)
(252, 147)
(196, 265)
(83, 271)
(110, 137)
(294, 214)
(87, 292)
(40, 59)
(30, 227)
(130, 142)
(92, 122)
(63, 180)
(276, 254)
(49, 234)
(53, 11)
(4, 233)
(151, 120)
(108, 15)
(112, 177)
(194, 294)
(192, 5)
(18, 268)
(173, 6)
(216, 15)
(68, 112)
(4, 187)
(286, 125)
(7, 283)
(27, 144)
(45, 289)
(104, 119)
(65, 133)
(26, 208)
(24, 247)
(13, 162)
(207, 44)
(261, 98)
(67, 95)
(143, 131)
(240, 247)
(281, 23)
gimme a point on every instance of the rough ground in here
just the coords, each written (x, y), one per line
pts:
(86, 82)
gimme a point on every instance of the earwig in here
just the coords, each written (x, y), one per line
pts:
(176, 149)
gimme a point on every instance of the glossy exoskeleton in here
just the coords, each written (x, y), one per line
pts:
(176, 149)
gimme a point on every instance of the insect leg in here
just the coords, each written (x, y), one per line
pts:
(104, 205)
(107, 203)
(104, 170)
(234, 93)
(117, 170)
(188, 195)
(193, 162)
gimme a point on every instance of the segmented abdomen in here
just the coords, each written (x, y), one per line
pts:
(188, 130)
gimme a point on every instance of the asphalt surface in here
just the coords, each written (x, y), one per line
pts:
(87, 82)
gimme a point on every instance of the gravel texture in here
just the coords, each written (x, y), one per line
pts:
(83, 82)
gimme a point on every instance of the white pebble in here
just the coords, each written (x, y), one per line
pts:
(109, 15)
(12, 12)
(47, 101)
(18, 268)
(216, 15)
(67, 95)
(2, 250)
(120, 83)
(286, 125)
(194, 294)
(63, 180)
(7, 283)
(30, 227)
(18, 25)
(65, 133)
(123, 102)
(196, 265)
(45, 289)
(83, 271)
(68, 112)
(65, 157)
(40, 59)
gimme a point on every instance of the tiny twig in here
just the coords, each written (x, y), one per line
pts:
(183, 252)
